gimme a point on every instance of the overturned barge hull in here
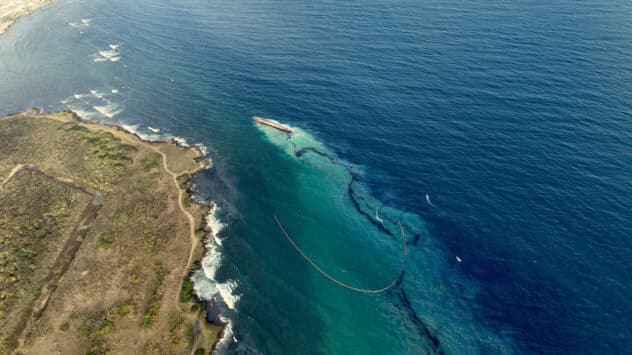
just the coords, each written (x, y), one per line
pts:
(273, 124)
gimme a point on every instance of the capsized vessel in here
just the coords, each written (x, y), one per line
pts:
(273, 124)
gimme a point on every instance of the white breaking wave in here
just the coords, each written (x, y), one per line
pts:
(109, 53)
(155, 130)
(204, 153)
(80, 96)
(377, 215)
(83, 113)
(97, 93)
(226, 290)
(181, 141)
(85, 22)
(109, 110)
(114, 91)
(146, 137)
(112, 54)
(204, 283)
(228, 333)
(213, 222)
(202, 149)
(428, 200)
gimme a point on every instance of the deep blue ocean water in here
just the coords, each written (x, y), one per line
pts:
(513, 118)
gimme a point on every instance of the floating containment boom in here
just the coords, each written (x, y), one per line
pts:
(273, 124)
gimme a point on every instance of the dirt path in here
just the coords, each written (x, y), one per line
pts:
(13, 172)
(193, 238)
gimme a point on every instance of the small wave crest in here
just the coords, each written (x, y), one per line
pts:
(112, 54)
(109, 110)
(97, 93)
(204, 279)
(83, 23)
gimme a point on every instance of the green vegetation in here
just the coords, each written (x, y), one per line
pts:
(98, 347)
(137, 235)
(184, 180)
(107, 240)
(187, 201)
(186, 293)
(149, 162)
(37, 213)
(175, 325)
(64, 327)
(122, 310)
(99, 323)
(153, 305)
(105, 148)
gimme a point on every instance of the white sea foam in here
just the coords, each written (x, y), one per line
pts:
(130, 128)
(112, 54)
(204, 283)
(79, 96)
(108, 53)
(181, 141)
(226, 290)
(82, 24)
(210, 264)
(228, 333)
(202, 149)
(109, 110)
(209, 288)
(134, 129)
(115, 91)
(213, 222)
(97, 93)
(155, 130)
(85, 114)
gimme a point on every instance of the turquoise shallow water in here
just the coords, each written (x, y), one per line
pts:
(512, 118)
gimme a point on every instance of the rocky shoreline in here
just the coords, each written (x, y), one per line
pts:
(11, 10)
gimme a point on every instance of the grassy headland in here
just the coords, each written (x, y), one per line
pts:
(96, 237)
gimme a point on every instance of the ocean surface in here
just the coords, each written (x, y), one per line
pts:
(498, 134)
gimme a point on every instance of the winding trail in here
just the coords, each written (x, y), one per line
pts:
(13, 172)
(193, 238)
